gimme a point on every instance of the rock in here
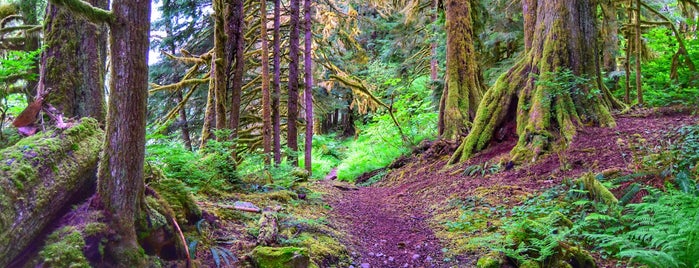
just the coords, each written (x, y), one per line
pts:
(246, 206)
(416, 256)
(428, 259)
(365, 265)
(371, 254)
(379, 255)
(391, 259)
(332, 175)
(286, 257)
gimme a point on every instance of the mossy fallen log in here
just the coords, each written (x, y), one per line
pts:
(39, 176)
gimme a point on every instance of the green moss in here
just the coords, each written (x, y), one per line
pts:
(178, 198)
(94, 228)
(597, 190)
(324, 249)
(490, 260)
(64, 249)
(8, 10)
(286, 257)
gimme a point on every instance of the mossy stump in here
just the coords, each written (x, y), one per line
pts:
(286, 257)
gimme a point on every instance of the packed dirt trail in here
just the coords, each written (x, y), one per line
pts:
(392, 223)
(386, 233)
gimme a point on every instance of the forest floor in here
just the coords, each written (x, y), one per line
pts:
(401, 221)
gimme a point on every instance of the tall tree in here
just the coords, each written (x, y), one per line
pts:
(293, 89)
(266, 106)
(120, 175)
(560, 36)
(218, 64)
(76, 47)
(276, 84)
(308, 94)
(464, 80)
(236, 62)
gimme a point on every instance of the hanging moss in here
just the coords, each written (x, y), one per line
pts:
(7, 10)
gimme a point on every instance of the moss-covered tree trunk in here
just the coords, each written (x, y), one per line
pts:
(464, 81)
(218, 65)
(121, 185)
(560, 36)
(38, 178)
(73, 64)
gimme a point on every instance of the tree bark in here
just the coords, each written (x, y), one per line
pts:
(121, 185)
(266, 107)
(610, 34)
(292, 103)
(464, 81)
(236, 41)
(276, 84)
(218, 64)
(560, 35)
(639, 49)
(184, 123)
(76, 47)
(33, 192)
(308, 94)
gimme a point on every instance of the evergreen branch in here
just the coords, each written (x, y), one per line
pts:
(86, 10)
(183, 83)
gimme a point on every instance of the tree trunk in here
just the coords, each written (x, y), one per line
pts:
(75, 47)
(185, 124)
(266, 109)
(38, 184)
(292, 103)
(610, 34)
(639, 49)
(464, 81)
(28, 10)
(434, 65)
(276, 83)
(560, 36)
(121, 184)
(218, 65)
(308, 94)
(236, 41)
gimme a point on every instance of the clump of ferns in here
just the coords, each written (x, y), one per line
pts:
(208, 240)
(661, 231)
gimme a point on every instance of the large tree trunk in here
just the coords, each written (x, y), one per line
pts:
(610, 34)
(293, 90)
(236, 42)
(120, 186)
(38, 182)
(464, 81)
(75, 47)
(276, 83)
(218, 65)
(308, 94)
(266, 107)
(560, 36)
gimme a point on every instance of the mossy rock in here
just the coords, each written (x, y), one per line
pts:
(64, 248)
(301, 173)
(285, 257)
(491, 260)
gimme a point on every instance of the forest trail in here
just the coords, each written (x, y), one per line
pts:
(394, 222)
(384, 232)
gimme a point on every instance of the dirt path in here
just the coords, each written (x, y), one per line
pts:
(386, 233)
(387, 224)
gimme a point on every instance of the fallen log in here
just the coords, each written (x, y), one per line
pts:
(38, 177)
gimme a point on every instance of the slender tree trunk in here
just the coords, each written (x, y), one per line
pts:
(236, 41)
(308, 94)
(639, 90)
(209, 116)
(73, 47)
(434, 65)
(218, 64)
(464, 81)
(292, 103)
(28, 11)
(276, 84)
(560, 35)
(185, 125)
(266, 109)
(120, 184)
